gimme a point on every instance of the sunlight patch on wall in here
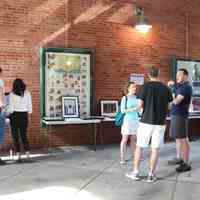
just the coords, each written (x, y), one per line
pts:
(122, 15)
(93, 12)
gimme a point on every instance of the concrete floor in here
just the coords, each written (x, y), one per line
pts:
(77, 173)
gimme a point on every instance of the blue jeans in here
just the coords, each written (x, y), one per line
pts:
(2, 127)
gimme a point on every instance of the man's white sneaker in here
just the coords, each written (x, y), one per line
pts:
(122, 162)
(134, 176)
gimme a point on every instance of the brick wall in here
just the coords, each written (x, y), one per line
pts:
(104, 26)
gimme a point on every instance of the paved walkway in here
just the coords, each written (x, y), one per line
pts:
(76, 173)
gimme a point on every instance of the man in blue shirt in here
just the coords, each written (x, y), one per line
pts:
(179, 119)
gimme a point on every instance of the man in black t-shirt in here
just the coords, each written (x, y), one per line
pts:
(154, 98)
(179, 120)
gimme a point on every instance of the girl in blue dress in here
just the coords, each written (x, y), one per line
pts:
(130, 124)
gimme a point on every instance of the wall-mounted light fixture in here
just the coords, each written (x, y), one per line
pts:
(142, 24)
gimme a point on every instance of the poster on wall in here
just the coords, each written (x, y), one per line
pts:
(137, 78)
(66, 72)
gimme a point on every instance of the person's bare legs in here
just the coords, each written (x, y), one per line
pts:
(123, 148)
(185, 165)
(27, 154)
(185, 149)
(153, 159)
(178, 148)
(1, 147)
(18, 156)
(133, 144)
(136, 161)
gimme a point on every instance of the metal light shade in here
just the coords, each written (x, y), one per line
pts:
(142, 24)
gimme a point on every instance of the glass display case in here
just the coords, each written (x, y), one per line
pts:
(66, 72)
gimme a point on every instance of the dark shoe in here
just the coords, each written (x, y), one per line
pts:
(184, 167)
(175, 161)
(19, 160)
(151, 178)
(2, 162)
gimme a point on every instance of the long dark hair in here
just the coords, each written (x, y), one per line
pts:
(19, 87)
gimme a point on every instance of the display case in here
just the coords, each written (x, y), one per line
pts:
(63, 73)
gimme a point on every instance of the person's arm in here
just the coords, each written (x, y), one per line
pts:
(170, 99)
(141, 97)
(11, 103)
(29, 106)
(30, 109)
(140, 104)
(178, 99)
(171, 83)
(1, 93)
(124, 105)
(181, 93)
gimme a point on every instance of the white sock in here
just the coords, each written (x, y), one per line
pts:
(150, 173)
(136, 171)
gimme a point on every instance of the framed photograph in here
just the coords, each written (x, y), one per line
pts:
(137, 78)
(70, 106)
(193, 68)
(109, 107)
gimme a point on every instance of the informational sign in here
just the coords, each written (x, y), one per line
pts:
(137, 78)
(67, 74)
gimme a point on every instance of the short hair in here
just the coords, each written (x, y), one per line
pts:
(153, 71)
(185, 71)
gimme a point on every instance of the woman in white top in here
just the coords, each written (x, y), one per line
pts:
(21, 105)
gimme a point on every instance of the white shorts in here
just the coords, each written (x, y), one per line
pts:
(147, 132)
(129, 127)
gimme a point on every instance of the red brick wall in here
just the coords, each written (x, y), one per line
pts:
(106, 26)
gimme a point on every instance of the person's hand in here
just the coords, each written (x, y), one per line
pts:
(1, 104)
(133, 109)
(170, 105)
(170, 83)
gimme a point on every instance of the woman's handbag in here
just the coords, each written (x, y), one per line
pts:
(7, 111)
(119, 117)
